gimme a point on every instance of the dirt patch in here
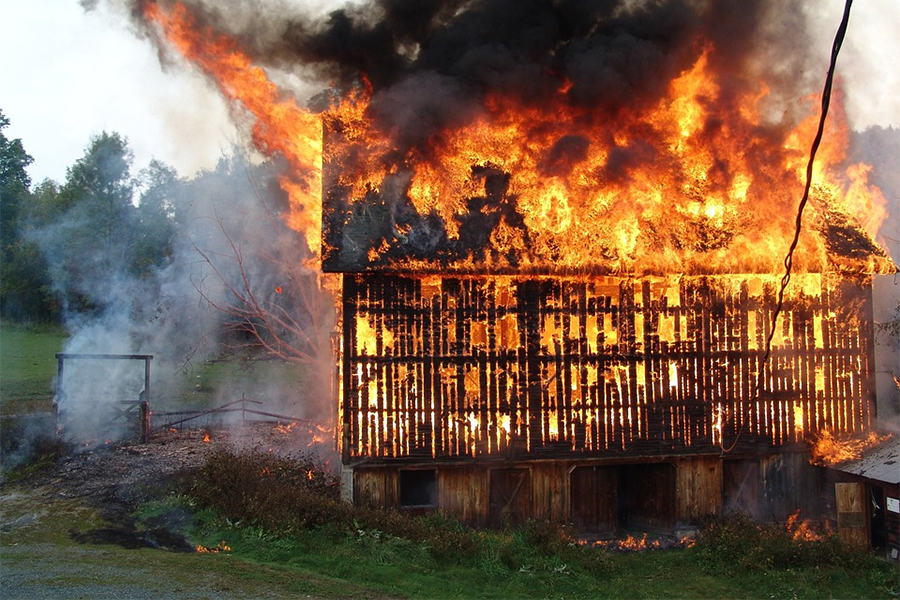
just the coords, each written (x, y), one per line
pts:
(70, 530)
(116, 477)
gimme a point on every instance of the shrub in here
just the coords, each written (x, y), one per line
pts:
(262, 489)
(736, 544)
(282, 495)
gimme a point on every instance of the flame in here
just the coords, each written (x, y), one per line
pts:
(701, 181)
(829, 450)
(633, 544)
(685, 198)
(281, 126)
(206, 438)
(285, 428)
(220, 547)
(798, 419)
(805, 530)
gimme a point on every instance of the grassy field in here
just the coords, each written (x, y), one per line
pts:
(27, 369)
(208, 384)
(69, 550)
(42, 557)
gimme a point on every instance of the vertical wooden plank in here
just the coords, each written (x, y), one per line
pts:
(529, 357)
(851, 514)
(699, 485)
(349, 406)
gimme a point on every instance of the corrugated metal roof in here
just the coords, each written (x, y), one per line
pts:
(881, 463)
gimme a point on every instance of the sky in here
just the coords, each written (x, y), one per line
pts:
(68, 75)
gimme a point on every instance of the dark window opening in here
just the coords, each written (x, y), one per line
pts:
(418, 488)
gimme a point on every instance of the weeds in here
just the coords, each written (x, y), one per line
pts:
(736, 544)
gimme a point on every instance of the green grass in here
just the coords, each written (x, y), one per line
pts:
(46, 546)
(327, 563)
(27, 368)
(267, 511)
(387, 566)
(209, 384)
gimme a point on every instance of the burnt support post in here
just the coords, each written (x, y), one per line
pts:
(145, 422)
(349, 351)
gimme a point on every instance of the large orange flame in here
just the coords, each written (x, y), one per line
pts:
(280, 124)
(701, 181)
(829, 450)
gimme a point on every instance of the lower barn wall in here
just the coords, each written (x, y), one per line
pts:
(601, 498)
(892, 521)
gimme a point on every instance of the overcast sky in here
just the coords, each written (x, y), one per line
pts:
(67, 75)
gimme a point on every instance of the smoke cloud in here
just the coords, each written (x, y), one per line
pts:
(230, 244)
(433, 65)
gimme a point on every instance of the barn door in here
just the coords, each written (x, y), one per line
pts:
(510, 496)
(647, 497)
(851, 514)
(593, 500)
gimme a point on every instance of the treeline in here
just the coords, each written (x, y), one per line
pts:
(150, 261)
(61, 243)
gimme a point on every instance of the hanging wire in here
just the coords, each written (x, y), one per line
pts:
(789, 257)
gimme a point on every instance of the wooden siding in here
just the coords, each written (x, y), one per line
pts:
(463, 368)
(698, 488)
(598, 499)
(593, 500)
(376, 488)
(462, 491)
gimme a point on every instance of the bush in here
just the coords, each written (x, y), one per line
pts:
(283, 495)
(737, 544)
(278, 493)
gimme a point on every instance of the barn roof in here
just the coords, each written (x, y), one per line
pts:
(880, 463)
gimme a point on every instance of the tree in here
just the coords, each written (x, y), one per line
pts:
(88, 235)
(154, 228)
(24, 281)
(254, 270)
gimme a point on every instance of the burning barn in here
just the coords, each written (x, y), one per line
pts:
(560, 230)
(531, 331)
(602, 400)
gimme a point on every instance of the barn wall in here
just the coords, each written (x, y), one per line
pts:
(550, 492)
(892, 520)
(599, 498)
(463, 492)
(376, 488)
(461, 368)
(698, 488)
